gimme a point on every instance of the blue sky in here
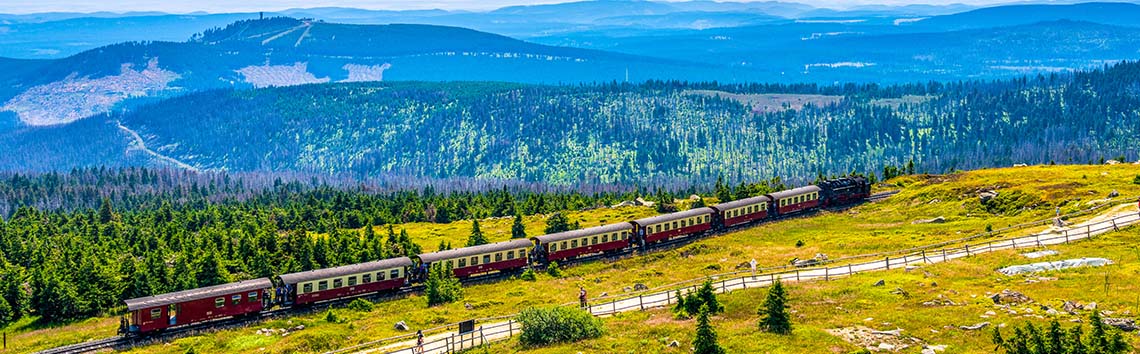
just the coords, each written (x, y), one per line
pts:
(185, 6)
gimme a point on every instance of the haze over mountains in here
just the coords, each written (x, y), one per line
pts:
(79, 77)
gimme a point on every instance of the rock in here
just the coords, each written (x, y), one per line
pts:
(936, 220)
(605, 294)
(1070, 307)
(894, 332)
(868, 319)
(743, 265)
(1020, 165)
(1113, 194)
(900, 291)
(1124, 324)
(694, 197)
(1009, 297)
(975, 327)
(886, 346)
(880, 283)
(937, 348)
(401, 326)
(1052, 312)
(674, 344)
(1090, 306)
(991, 313)
(627, 289)
(985, 196)
(468, 305)
(911, 267)
(640, 287)
(298, 328)
(933, 284)
(1112, 162)
(927, 351)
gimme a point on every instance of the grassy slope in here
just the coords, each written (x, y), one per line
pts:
(837, 234)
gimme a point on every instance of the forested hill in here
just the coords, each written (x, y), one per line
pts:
(658, 132)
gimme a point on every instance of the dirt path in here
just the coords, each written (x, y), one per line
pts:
(282, 34)
(1109, 221)
(140, 144)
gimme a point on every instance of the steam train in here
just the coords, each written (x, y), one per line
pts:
(249, 297)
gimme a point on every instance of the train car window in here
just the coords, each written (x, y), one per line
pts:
(606, 238)
(307, 288)
(155, 313)
(707, 219)
(236, 299)
(573, 243)
(252, 296)
(499, 257)
(510, 254)
(380, 276)
(450, 264)
(674, 224)
(462, 263)
(475, 260)
(594, 240)
(395, 273)
(553, 247)
(352, 280)
(323, 285)
(684, 223)
(367, 278)
(486, 258)
(220, 302)
(658, 227)
(563, 246)
(337, 283)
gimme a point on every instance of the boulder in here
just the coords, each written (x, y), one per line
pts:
(694, 197)
(1010, 297)
(1070, 307)
(640, 287)
(937, 220)
(1090, 306)
(401, 326)
(1113, 194)
(297, 328)
(1124, 324)
(674, 344)
(975, 327)
(886, 346)
(881, 282)
(894, 332)
(985, 196)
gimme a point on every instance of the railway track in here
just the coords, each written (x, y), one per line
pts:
(122, 342)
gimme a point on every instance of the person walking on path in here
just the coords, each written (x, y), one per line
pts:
(582, 296)
(419, 342)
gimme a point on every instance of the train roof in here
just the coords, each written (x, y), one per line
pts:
(474, 250)
(596, 230)
(741, 202)
(197, 294)
(294, 278)
(793, 192)
(673, 216)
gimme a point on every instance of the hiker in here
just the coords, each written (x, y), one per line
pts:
(419, 342)
(582, 296)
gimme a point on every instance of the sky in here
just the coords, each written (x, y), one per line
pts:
(216, 6)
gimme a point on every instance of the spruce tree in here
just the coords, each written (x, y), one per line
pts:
(105, 212)
(705, 341)
(476, 237)
(518, 230)
(1056, 338)
(442, 286)
(6, 313)
(557, 223)
(774, 313)
(707, 297)
(210, 270)
(1073, 342)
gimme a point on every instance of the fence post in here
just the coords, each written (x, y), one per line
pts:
(640, 303)
(924, 257)
(1088, 231)
(887, 260)
(967, 250)
(510, 328)
(1066, 236)
(848, 268)
(797, 275)
(771, 278)
(826, 276)
(1114, 228)
(943, 254)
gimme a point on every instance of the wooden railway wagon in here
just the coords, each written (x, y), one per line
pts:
(574, 243)
(350, 280)
(795, 200)
(664, 227)
(741, 211)
(469, 261)
(159, 312)
(845, 190)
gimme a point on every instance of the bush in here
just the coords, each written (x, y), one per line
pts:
(799, 243)
(331, 317)
(528, 275)
(442, 286)
(360, 305)
(1136, 180)
(552, 270)
(544, 326)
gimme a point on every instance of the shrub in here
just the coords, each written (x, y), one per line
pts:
(331, 317)
(552, 270)
(1136, 180)
(544, 326)
(528, 275)
(442, 286)
(799, 243)
(360, 305)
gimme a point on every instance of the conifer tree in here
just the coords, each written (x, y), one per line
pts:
(707, 296)
(705, 342)
(442, 286)
(105, 212)
(1056, 338)
(774, 313)
(557, 223)
(1098, 341)
(518, 230)
(476, 237)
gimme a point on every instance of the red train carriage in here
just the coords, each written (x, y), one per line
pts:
(574, 243)
(741, 211)
(795, 200)
(664, 227)
(158, 312)
(469, 261)
(350, 280)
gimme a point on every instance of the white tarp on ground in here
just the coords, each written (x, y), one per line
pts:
(1046, 266)
(1039, 254)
